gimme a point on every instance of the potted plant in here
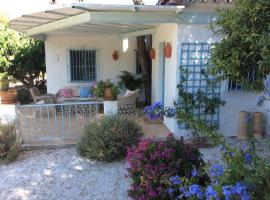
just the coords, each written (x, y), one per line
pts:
(130, 81)
(7, 96)
(108, 91)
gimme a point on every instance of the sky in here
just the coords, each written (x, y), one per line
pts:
(15, 8)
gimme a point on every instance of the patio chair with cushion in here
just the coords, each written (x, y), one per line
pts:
(127, 103)
(38, 98)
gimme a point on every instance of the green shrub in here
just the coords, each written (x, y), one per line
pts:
(109, 139)
(23, 96)
(9, 142)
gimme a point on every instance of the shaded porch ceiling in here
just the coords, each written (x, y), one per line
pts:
(82, 18)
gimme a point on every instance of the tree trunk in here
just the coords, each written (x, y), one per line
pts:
(143, 56)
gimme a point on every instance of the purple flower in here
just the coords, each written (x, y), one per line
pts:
(175, 180)
(194, 173)
(170, 191)
(216, 170)
(240, 189)
(227, 192)
(210, 193)
(247, 158)
(195, 190)
(231, 154)
(184, 191)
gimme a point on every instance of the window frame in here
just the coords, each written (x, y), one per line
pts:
(69, 73)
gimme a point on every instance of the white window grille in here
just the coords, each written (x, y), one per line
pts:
(83, 65)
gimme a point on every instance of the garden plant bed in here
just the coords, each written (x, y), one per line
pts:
(63, 174)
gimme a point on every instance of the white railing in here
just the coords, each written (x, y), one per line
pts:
(55, 124)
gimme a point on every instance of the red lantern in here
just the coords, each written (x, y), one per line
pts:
(115, 55)
(152, 54)
(168, 50)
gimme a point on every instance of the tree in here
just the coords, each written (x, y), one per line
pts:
(21, 57)
(243, 55)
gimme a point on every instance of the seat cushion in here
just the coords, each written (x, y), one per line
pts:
(75, 90)
(129, 92)
(66, 93)
(84, 92)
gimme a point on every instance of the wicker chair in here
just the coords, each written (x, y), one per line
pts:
(127, 104)
(37, 97)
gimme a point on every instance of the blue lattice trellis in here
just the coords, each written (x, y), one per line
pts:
(194, 59)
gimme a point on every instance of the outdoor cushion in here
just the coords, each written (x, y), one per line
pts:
(74, 90)
(129, 92)
(66, 93)
(84, 92)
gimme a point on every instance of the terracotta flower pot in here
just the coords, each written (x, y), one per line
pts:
(168, 50)
(243, 122)
(107, 93)
(8, 97)
(115, 55)
(152, 54)
(258, 125)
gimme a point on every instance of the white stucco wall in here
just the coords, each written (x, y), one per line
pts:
(235, 101)
(57, 57)
(165, 33)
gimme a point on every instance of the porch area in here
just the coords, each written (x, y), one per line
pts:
(62, 124)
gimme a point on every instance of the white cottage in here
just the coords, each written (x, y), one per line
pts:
(92, 33)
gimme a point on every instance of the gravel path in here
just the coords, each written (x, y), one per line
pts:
(63, 175)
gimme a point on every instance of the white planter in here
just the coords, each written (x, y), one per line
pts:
(110, 108)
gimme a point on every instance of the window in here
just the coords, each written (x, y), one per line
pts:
(233, 86)
(82, 65)
(138, 68)
(194, 59)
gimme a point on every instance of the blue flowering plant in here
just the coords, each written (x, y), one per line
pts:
(190, 187)
(157, 111)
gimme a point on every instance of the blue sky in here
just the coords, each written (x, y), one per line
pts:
(14, 8)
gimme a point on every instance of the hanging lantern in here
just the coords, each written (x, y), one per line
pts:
(152, 54)
(115, 55)
(168, 50)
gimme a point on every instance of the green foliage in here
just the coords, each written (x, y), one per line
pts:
(9, 142)
(23, 96)
(21, 57)
(129, 81)
(245, 46)
(190, 102)
(4, 81)
(109, 139)
(100, 87)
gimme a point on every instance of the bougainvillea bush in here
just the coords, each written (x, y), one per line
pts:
(152, 163)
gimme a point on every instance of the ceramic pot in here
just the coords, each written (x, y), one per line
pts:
(258, 125)
(168, 50)
(152, 54)
(243, 125)
(8, 96)
(115, 55)
(107, 93)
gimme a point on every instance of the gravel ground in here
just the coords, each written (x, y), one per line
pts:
(63, 175)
